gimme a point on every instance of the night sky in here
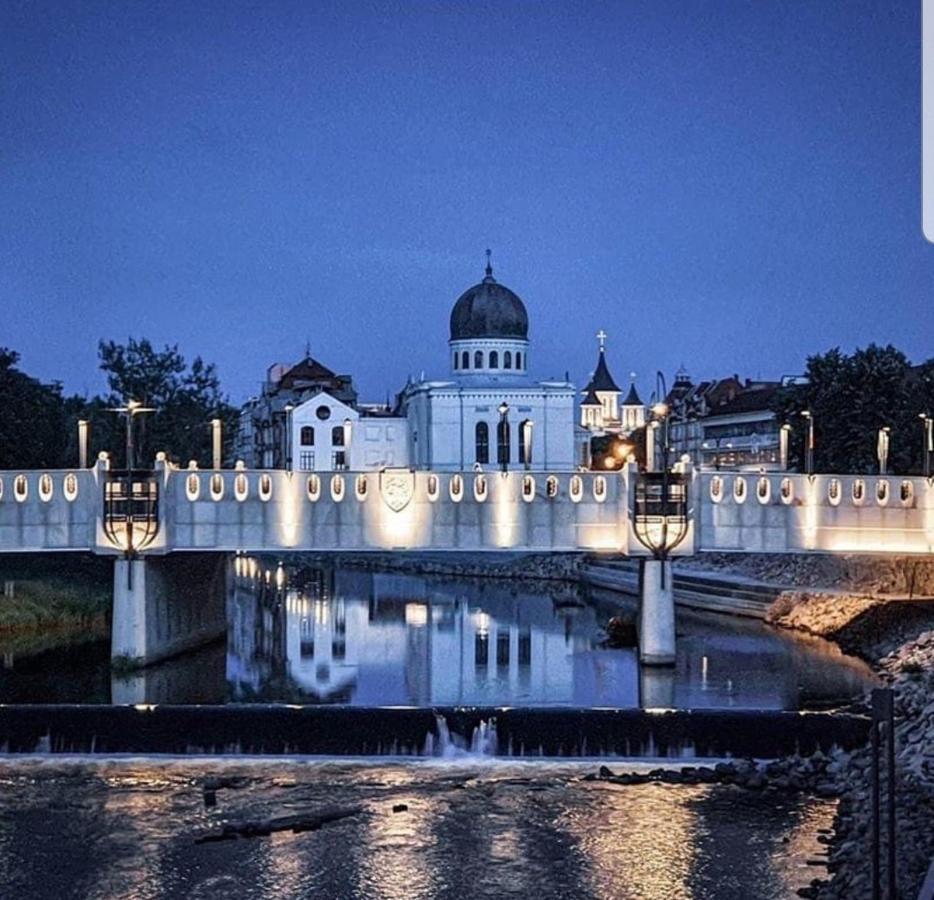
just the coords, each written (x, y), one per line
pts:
(731, 185)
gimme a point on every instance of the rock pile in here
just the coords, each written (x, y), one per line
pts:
(858, 573)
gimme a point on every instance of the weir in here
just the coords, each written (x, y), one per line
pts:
(368, 731)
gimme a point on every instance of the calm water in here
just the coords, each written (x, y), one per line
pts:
(325, 635)
(128, 829)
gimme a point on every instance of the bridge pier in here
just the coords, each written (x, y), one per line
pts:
(166, 605)
(656, 613)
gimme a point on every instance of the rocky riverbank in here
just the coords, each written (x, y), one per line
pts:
(897, 638)
(854, 573)
(512, 566)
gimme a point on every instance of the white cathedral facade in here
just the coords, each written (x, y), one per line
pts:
(488, 412)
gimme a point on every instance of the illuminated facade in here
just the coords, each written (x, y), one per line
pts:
(489, 412)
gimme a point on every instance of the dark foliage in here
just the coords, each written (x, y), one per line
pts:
(851, 397)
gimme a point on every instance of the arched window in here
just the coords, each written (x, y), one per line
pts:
(518, 360)
(337, 436)
(455, 360)
(525, 442)
(307, 436)
(502, 442)
(465, 360)
(507, 359)
(478, 359)
(494, 360)
(482, 433)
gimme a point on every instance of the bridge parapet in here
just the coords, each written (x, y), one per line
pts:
(399, 509)
(788, 512)
(50, 509)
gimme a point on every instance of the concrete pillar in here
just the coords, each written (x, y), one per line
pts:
(656, 614)
(128, 633)
(656, 687)
(159, 600)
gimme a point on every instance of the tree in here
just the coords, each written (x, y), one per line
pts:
(851, 398)
(185, 398)
(33, 432)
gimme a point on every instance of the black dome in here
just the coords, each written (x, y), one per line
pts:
(489, 310)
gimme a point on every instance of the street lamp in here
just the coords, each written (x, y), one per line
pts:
(527, 443)
(809, 447)
(133, 408)
(784, 437)
(502, 442)
(288, 435)
(927, 447)
(882, 448)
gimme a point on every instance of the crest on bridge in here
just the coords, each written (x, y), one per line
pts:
(397, 487)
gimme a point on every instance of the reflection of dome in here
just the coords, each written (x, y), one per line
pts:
(489, 310)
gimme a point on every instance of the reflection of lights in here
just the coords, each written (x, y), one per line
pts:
(481, 621)
(416, 615)
(280, 576)
(268, 576)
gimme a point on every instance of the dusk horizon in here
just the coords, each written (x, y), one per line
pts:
(728, 190)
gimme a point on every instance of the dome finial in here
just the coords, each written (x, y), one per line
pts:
(489, 264)
(601, 337)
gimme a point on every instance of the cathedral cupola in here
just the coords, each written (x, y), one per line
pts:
(604, 390)
(489, 331)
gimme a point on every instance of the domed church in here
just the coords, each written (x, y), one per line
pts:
(489, 412)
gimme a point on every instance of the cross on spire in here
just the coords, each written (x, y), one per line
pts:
(489, 264)
(602, 336)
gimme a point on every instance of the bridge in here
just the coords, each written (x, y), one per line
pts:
(170, 530)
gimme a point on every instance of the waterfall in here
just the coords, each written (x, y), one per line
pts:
(482, 744)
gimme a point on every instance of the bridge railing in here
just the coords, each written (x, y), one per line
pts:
(834, 513)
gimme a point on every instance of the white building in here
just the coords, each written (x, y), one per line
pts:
(489, 411)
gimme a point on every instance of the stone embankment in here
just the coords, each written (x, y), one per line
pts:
(897, 638)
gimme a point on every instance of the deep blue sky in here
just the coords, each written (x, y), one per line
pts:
(732, 185)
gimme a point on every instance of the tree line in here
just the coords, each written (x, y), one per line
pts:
(852, 396)
(39, 423)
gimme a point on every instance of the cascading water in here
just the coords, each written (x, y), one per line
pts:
(483, 741)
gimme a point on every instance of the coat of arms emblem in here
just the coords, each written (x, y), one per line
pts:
(397, 487)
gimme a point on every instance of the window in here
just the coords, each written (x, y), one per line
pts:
(337, 436)
(502, 648)
(323, 413)
(481, 648)
(338, 460)
(518, 360)
(507, 360)
(307, 436)
(502, 442)
(525, 647)
(465, 360)
(494, 360)
(525, 442)
(306, 460)
(482, 432)
(455, 360)
(478, 359)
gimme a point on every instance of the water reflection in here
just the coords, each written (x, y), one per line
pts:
(325, 634)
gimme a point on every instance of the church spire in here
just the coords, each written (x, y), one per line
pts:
(489, 266)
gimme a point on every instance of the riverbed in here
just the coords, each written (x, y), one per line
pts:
(107, 829)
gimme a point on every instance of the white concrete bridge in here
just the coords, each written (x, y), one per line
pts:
(165, 601)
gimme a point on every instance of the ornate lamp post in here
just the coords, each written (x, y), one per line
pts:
(927, 447)
(132, 501)
(809, 446)
(660, 523)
